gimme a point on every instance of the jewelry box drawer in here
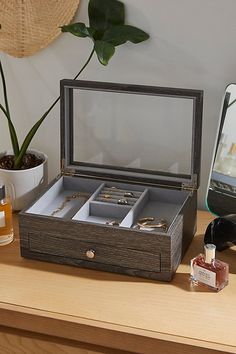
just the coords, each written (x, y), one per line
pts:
(90, 251)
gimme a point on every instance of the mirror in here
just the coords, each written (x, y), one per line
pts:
(221, 197)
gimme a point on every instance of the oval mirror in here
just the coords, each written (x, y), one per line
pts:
(221, 197)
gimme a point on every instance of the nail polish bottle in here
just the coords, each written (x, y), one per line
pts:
(209, 271)
(6, 224)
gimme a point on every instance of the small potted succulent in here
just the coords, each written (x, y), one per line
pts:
(106, 30)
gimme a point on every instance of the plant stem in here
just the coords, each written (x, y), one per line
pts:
(88, 60)
(14, 140)
(34, 129)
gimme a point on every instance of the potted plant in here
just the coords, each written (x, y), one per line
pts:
(106, 30)
(25, 176)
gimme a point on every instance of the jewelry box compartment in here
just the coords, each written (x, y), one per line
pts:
(64, 197)
(110, 204)
(126, 198)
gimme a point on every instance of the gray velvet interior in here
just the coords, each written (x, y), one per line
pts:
(162, 204)
(152, 202)
(56, 194)
(99, 212)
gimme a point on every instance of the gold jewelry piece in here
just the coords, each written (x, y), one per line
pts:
(129, 194)
(68, 198)
(146, 223)
(113, 223)
(120, 190)
(115, 200)
(122, 201)
(107, 196)
(145, 220)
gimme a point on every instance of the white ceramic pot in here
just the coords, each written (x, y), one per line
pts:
(23, 186)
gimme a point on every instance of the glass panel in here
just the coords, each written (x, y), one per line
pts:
(133, 130)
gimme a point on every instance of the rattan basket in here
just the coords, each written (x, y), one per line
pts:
(30, 25)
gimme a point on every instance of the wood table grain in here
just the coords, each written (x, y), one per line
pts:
(50, 308)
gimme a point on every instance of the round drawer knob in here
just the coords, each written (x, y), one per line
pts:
(90, 254)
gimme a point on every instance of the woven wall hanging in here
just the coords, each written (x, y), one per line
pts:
(30, 25)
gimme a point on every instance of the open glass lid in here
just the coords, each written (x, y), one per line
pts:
(131, 132)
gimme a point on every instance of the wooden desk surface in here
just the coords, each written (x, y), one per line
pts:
(115, 311)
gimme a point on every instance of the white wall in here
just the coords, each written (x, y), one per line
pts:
(192, 45)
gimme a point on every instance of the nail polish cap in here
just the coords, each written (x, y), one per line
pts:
(210, 251)
(2, 192)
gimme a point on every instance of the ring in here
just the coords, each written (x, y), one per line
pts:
(107, 196)
(129, 194)
(122, 202)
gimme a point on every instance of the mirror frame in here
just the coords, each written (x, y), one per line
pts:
(218, 203)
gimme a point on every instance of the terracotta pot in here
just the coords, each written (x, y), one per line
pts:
(23, 186)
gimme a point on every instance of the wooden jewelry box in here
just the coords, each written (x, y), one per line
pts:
(126, 198)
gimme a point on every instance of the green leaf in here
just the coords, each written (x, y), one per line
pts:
(78, 29)
(30, 136)
(118, 35)
(104, 51)
(104, 13)
(12, 131)
(13, 136)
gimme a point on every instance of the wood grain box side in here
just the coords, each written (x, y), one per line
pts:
(189, 212)
(133, 253)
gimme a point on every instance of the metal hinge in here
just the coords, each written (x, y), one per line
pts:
(66, 171)
(190, 186)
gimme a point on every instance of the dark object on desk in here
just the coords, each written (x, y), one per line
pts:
(221, 232)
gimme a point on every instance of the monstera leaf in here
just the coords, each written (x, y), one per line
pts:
(107, 28)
